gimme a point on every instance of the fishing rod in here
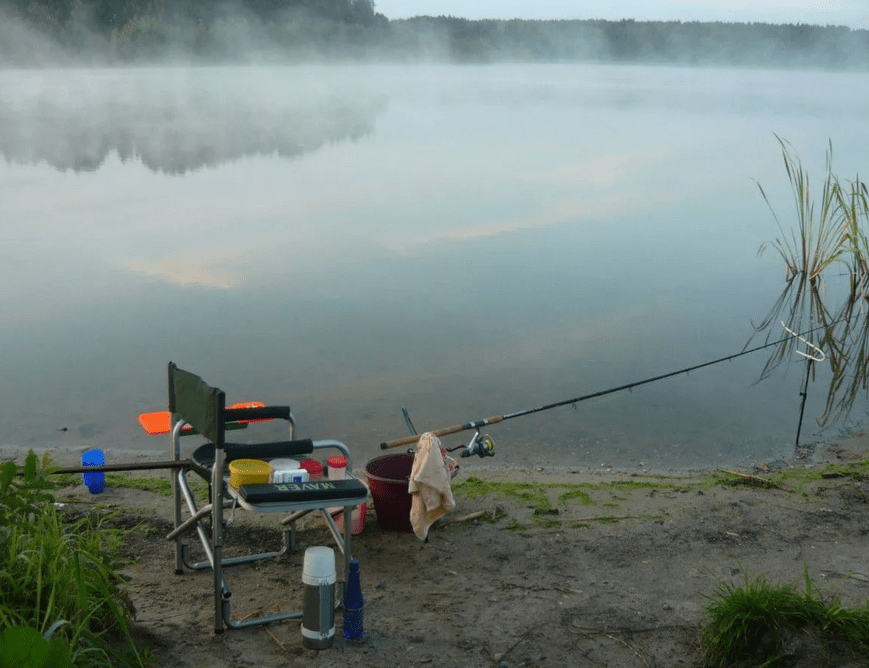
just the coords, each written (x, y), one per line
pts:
(484, 446)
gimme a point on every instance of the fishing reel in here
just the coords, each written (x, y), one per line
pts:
(482, 446)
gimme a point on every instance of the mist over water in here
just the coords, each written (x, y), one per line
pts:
(466, 241)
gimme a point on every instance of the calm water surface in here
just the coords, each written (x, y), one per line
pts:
(465, 241)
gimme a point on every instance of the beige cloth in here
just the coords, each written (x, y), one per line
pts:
(429, 485)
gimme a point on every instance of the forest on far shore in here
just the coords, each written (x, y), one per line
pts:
(39, 32)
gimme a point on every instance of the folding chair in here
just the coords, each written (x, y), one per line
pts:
(193, 402)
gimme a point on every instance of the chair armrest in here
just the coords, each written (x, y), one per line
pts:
(268, 450)
(204, 454)
(257, 413)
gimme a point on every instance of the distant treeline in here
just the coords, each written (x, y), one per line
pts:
(642, 41)
(352, 29)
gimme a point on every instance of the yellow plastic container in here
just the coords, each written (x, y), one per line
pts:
(248, 472)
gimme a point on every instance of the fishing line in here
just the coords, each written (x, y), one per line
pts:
(530, 411)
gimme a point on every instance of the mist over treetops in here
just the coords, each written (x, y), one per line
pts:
(45, 32)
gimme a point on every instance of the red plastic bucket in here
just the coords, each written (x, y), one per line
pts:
(387, 478)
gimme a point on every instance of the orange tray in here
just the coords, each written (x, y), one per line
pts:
(158, 423)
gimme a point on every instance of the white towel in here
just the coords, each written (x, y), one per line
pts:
(429, 485)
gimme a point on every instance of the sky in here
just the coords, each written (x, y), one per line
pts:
(851, 13)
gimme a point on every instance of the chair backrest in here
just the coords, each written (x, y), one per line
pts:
(197, 403)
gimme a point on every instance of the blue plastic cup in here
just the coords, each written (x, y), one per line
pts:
(95, 482)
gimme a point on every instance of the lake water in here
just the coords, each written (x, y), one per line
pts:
(465, 241)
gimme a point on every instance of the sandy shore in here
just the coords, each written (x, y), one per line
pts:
(608, 569)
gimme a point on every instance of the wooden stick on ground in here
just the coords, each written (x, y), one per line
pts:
(755, 479)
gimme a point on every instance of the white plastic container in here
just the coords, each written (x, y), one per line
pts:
(282, 465)
(318, 608)
(290, 475)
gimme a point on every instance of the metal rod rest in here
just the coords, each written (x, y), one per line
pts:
(144, 466)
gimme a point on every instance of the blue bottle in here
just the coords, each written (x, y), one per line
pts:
(353, 604)
(95, 482)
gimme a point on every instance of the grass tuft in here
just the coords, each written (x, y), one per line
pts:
(752, 623)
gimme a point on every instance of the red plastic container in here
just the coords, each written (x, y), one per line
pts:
(313, 467)
(387, 479)
(357, 517)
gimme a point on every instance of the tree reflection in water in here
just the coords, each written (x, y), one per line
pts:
(173, 122)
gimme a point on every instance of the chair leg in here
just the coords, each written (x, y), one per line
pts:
(217, 539)
(214, 545)
(176, 496)
(194, 522)
(347, 550)
(343, 540)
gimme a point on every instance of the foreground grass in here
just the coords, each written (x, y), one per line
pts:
(755, 622)
(60, 596)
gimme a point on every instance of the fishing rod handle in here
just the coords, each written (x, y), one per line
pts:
(407, 440)
(446, 431)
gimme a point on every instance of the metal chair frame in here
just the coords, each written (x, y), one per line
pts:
(193, 402)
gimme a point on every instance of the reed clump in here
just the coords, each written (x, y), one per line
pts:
(826, 260)
(59, 590)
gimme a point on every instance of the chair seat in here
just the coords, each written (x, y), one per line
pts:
(340, 491)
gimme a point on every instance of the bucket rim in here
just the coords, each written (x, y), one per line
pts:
(452, 463)
(372, 476)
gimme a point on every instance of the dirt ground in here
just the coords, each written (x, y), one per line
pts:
(615, 578)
